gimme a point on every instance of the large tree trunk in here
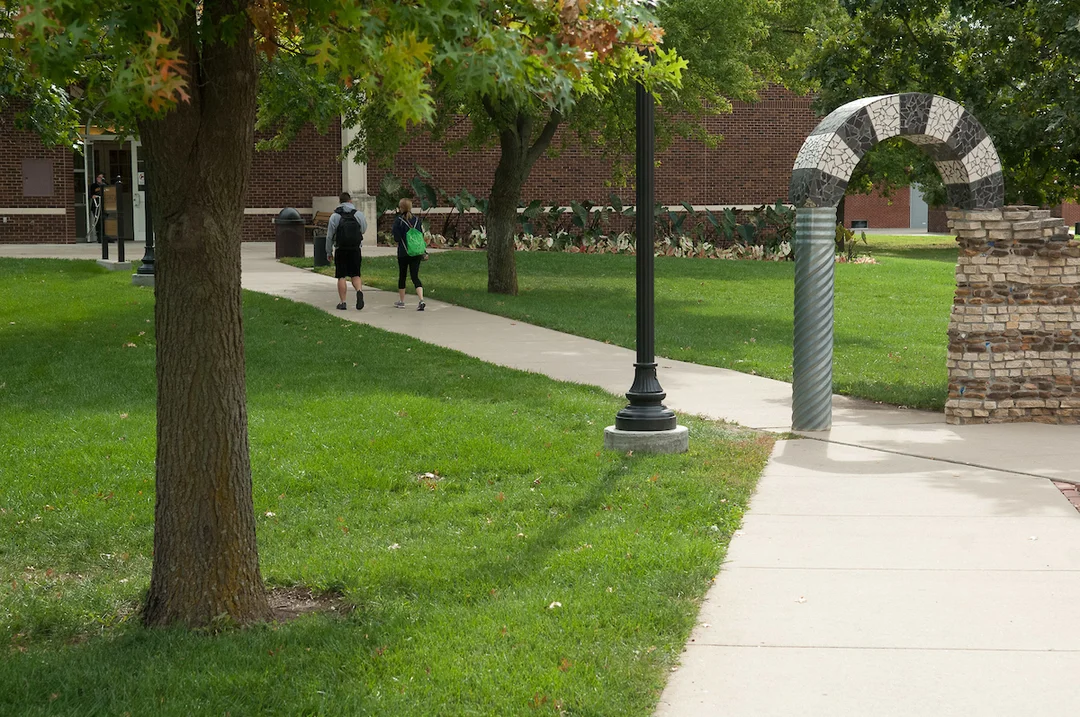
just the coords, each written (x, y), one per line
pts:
(502, 215)
(205, 564)
(518, 154)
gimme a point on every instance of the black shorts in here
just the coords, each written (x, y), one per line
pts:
(347, 263)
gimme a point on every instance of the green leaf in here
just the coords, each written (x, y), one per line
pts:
(425, 193)
(581, 214)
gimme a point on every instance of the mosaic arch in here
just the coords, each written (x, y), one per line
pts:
(956, 141)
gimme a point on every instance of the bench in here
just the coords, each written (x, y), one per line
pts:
(318, 225)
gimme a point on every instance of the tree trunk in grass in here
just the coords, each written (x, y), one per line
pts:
(518, 154)
(205, 565)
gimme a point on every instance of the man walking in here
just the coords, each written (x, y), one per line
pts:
(346, 229)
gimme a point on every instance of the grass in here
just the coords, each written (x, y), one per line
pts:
(454, 580)
(891, 317)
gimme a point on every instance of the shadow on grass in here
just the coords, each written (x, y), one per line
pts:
(946, 255)
(172, 671)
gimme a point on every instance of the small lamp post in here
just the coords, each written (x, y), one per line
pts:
(646, 425)
(119, 183)
(144, 275)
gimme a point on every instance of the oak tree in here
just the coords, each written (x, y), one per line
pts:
(577, 65)
(184, 74)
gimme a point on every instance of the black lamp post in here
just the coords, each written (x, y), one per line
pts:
(147, 266)
(119, 220)
(646, 411)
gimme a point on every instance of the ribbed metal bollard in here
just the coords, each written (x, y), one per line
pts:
(815, 246)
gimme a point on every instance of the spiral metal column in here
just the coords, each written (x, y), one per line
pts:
(815, 242)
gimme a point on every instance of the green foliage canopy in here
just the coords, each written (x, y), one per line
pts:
(1015, 65)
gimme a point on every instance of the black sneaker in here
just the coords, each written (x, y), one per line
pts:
(421, 306)
(359, 300)
(343, 306)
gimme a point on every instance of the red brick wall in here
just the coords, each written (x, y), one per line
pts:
(751, 166)
(308, 167)
(1069, 212)
(880, 212)
(15, 146)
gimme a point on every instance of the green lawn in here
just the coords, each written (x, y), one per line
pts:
(537, 574)
(891, 317)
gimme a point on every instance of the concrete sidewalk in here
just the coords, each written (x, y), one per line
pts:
(894, 565)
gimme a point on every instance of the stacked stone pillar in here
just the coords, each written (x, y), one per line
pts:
(1014, 335)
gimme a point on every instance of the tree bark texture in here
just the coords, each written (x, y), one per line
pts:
(199, 155)
(518, 154)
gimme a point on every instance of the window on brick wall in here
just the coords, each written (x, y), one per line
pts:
(37, 177)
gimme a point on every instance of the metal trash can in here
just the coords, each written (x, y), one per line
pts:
(318, 247)
(288, 233)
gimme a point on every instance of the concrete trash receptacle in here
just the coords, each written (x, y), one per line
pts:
(288, 233)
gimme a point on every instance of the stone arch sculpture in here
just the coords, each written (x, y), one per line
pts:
(962, 151)
(969, 165)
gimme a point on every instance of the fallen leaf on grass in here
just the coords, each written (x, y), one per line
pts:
(564, 665)
(554, 605)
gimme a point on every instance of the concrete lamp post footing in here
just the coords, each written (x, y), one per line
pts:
(675, 440)
(114, 265)
(143, 280)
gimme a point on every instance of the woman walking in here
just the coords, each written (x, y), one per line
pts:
(403, 222)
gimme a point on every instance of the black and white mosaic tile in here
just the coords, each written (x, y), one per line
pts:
(952, 137)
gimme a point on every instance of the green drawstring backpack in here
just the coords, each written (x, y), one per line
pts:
(414, 241)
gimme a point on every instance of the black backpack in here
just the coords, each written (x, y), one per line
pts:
(348, 234)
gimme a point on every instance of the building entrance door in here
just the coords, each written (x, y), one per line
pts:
(119, 159)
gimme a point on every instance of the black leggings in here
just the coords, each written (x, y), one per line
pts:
(412, 265)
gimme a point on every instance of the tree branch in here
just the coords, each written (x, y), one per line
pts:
(546, 135)
(489, 108)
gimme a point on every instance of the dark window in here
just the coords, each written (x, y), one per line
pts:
(860, 224)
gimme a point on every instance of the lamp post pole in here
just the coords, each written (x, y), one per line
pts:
(646, 411)
(646, 424)
(144, 275)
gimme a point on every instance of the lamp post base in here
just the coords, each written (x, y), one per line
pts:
(646, 410)
(675, 440)
(142, 280)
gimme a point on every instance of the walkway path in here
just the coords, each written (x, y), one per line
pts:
(894, 565)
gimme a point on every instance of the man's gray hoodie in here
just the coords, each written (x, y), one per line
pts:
(335, 219)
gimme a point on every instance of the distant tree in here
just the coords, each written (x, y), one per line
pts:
(1015, 65)
(581, 64)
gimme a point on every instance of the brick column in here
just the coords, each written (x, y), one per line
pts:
(1015, 326)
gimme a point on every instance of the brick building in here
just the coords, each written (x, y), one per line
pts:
(36, 190)
(43, 190)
